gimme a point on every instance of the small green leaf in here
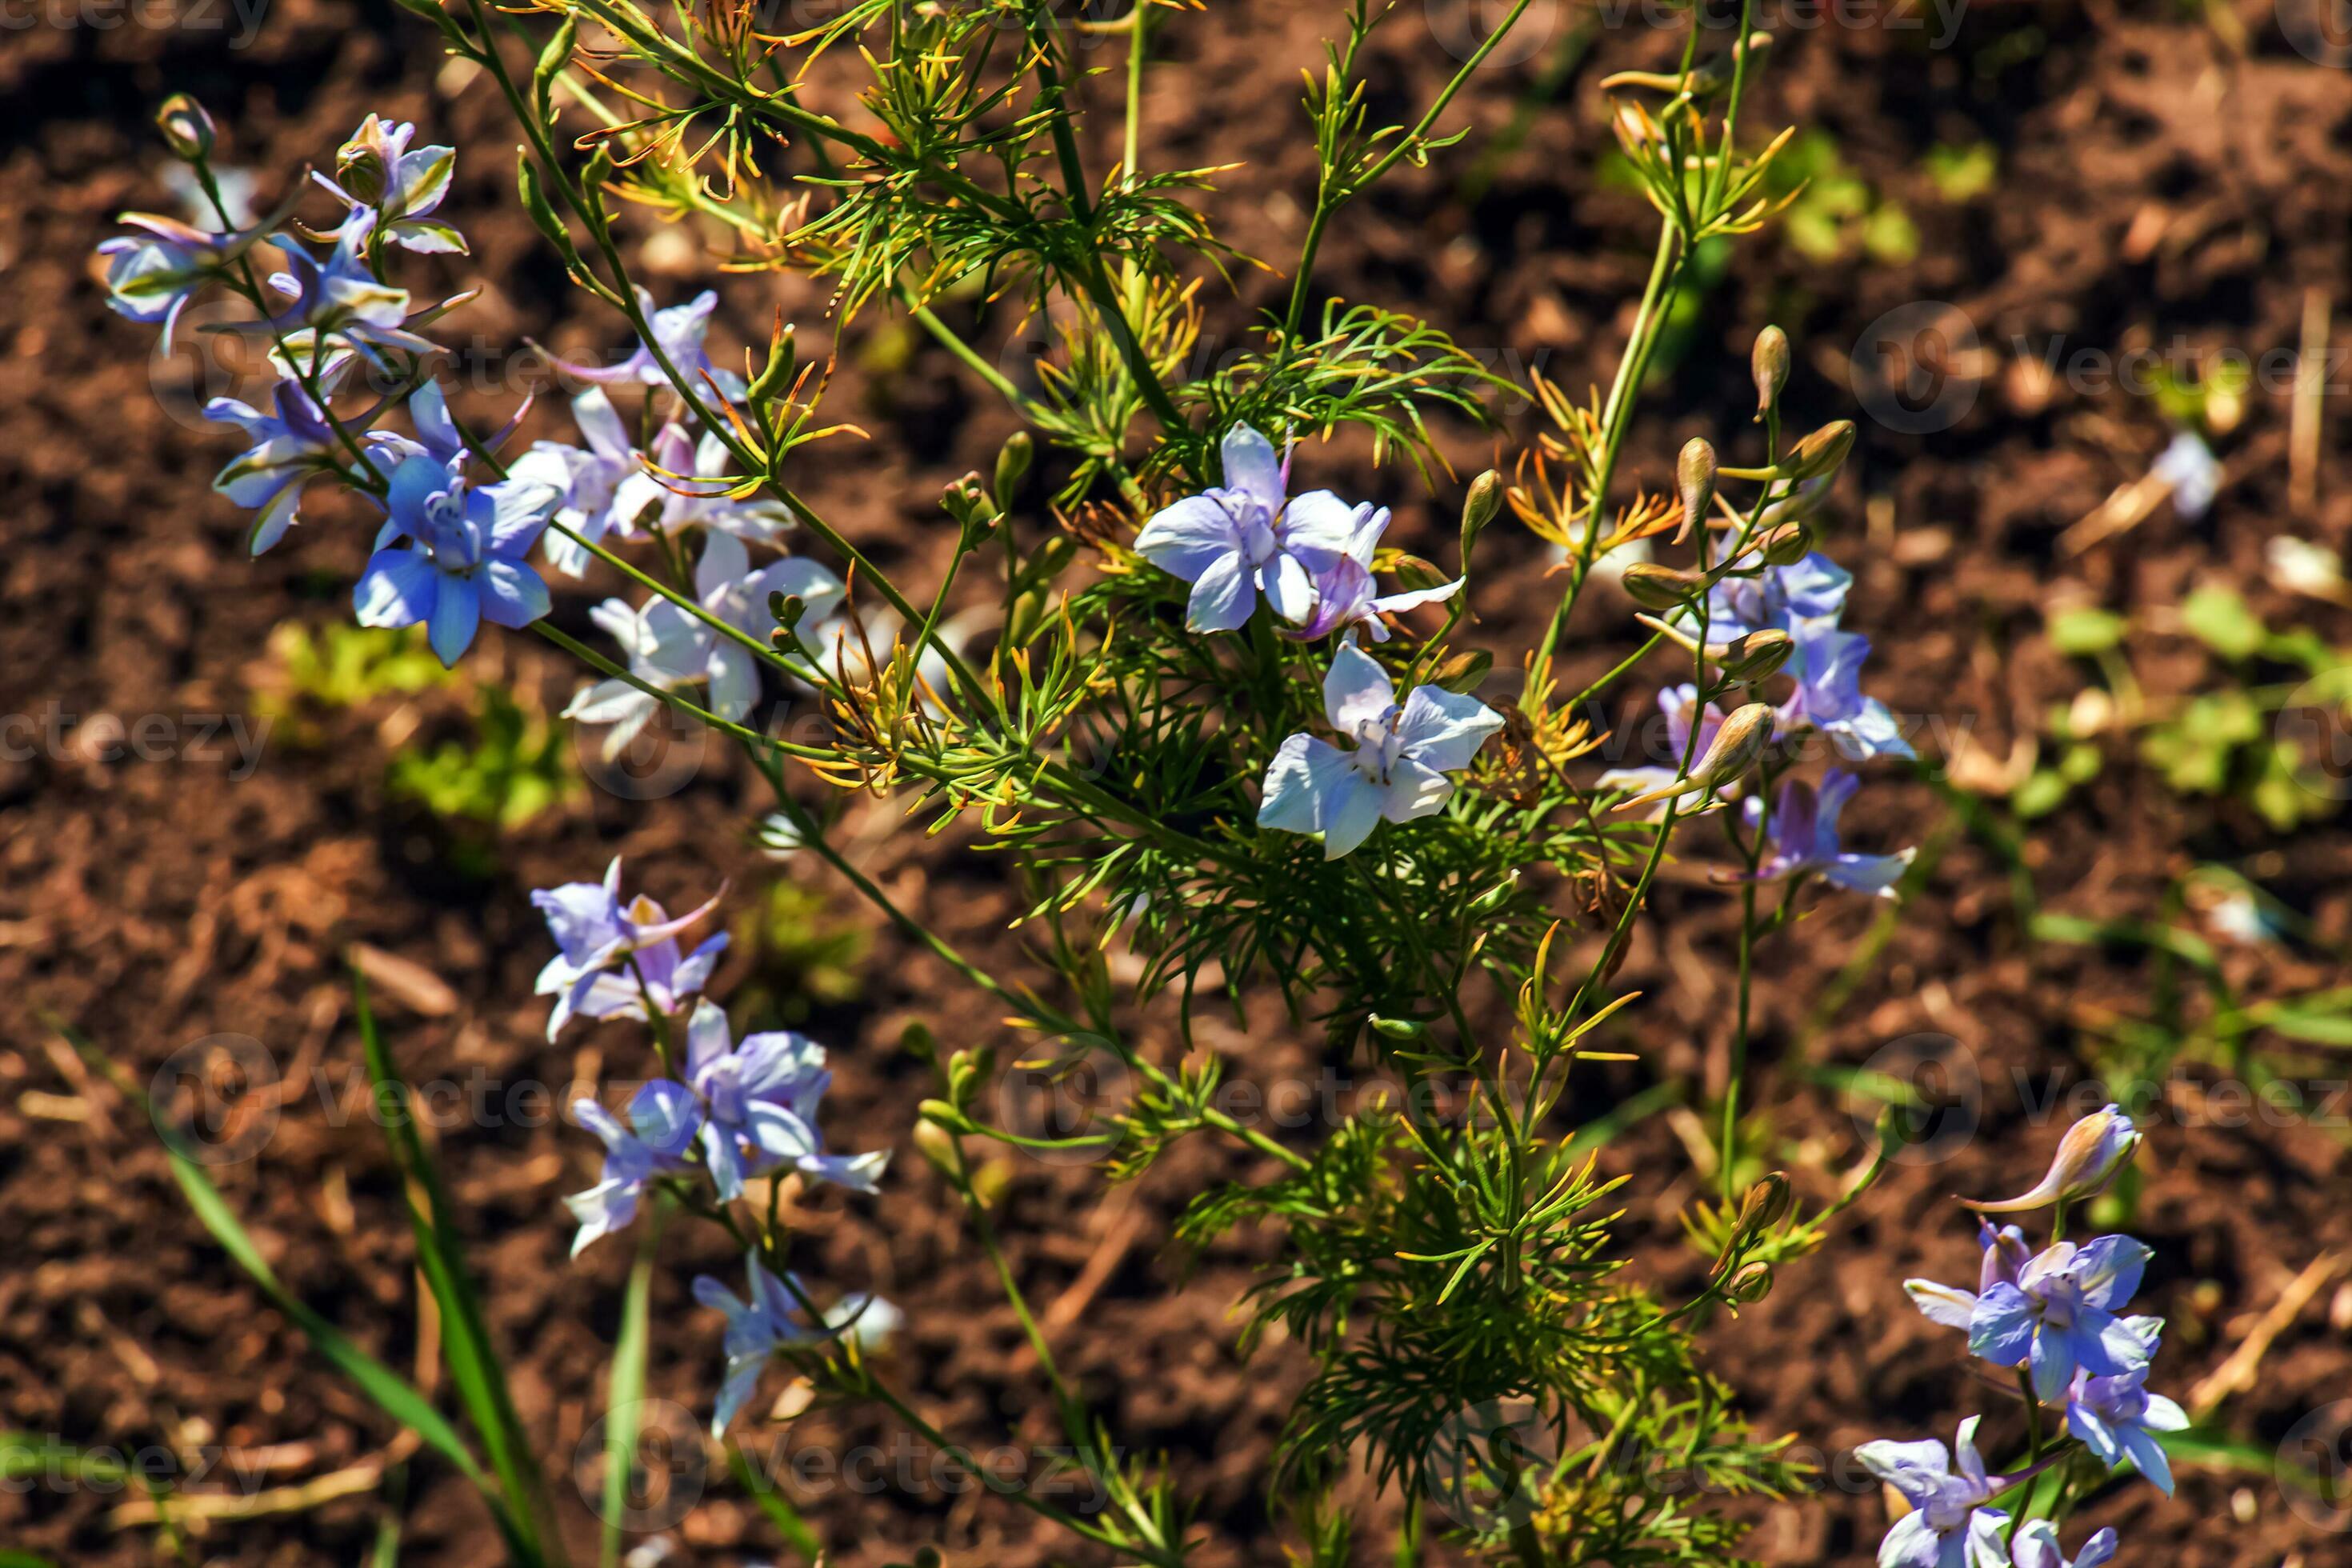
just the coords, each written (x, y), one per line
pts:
(2216, 616)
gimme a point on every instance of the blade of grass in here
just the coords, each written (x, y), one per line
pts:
(624, 1392)
(780, 1512)
(391, 1393)
(465, 1348)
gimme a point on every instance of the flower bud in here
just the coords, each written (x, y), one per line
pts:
(2093, 1152)
(1463, 672)
(1478, 508)
(1750, 1285)
(1012, 460)
(788, 609)
(1752, 656)
(1738, 743)
(1820, 453)
(1399, 1029)
(932, 1140)
(187, 130)
(1787, 544)
(1768, 361)
(1662, 587)
(2005, 1255)
(1767, 1203)
(361, 165)
(1694, 476)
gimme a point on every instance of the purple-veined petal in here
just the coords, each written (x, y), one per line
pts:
(1286, 799)
(1288, 588)
(1910, 1543)
(2109, 1269)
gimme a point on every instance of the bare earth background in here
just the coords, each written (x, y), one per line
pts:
(2160, 172)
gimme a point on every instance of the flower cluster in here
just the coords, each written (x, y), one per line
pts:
(2056, 1318)
(733, 1111)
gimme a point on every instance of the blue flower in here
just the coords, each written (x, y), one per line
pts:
(615, 959)
(1805, 597)
(1949, 1525)
(151, 278)
(1396, 768)
(2037, 1547)
(2005, 1257)
(664, 1119)
(292, 446)
(2061, 1315)
(1804, 839)
(763, 1100)
(2189, 468)
(1244, 538)
(1827, 665)
(341, 298)
(2117, 1418)
(464, 558)
(679, 332)
(773, 1320)
(1344, 589)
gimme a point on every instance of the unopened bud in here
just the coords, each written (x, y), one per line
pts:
(1012, 460)
(1478, 509)
(1768, 361)
(788, 609)
(363, 165)
(187, 130)
(1662, 587)
(1820, 453)
(1766, 1204)
(1752, 656)
(1738, 743)
(1694, 475)
(934, 1142)
(1750, 1285)
(1801, 505)
(1400, 1028)
(1463, 672)
(2094, 1152)
(1787, 544)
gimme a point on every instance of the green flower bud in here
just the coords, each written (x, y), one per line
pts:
(1694, 475)
(1478, 509)
(1769, 361)
(1787, 544)
(1820, 453)
(1738, 743)
(1752, 656)
(1012, 460)
(1662, 587)
(1750, 1285)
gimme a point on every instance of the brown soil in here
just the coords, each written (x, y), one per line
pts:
(2152, 181)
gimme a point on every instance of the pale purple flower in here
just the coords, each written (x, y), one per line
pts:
(1805, 840)
(1396, 768)
(1949, 1525)
(615, 957)
(1344, 590)
(2091, 1155)
(762, 1097)
(1827, 665)
(2117, 1418)
(1244, 538)
(1674, 705)
(664, 1119)
(2061, 1315)
(341, 298)
(397, 187)
(2190, 466)
(2037, 1547)
(438, 435)
(590, 478)
(2005, 1257)
(690, 480)
(670, 649)
(292, 445)
(772, 1320)
(1806, 596)
(679, 332)
(151, 277)
(463, 562)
